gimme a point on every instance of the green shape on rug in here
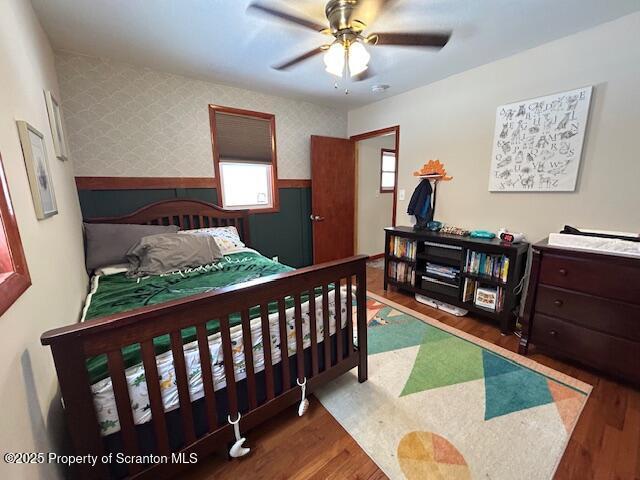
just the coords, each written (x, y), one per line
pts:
(443, 360)
(510, 387)
(392, 330)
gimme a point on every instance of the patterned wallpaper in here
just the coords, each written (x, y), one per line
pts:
(129, 121)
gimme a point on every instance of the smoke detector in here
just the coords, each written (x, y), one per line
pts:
(380, 88)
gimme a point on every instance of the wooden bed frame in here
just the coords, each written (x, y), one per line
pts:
(71, 345)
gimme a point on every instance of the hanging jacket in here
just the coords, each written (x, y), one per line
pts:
(420, 203)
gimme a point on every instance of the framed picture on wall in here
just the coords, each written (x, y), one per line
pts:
(55, 122)
(35, 159)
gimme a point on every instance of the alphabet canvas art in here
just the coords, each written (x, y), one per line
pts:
(537, 144)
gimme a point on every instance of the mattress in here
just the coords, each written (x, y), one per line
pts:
(102, 389)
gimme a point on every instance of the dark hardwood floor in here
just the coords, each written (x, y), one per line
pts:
(604, 445)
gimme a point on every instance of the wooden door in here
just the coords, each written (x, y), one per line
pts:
(333, 185)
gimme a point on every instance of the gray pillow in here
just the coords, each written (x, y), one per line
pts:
(108, 243)
(168, 252)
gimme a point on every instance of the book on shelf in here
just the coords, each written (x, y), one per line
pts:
(491, 298)
(468, 290)
(402, 247)
(401, 272)
(445, 271)
(486, 297)
(487, 265)
(435, 280)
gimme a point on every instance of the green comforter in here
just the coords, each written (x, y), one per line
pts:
(117, 293)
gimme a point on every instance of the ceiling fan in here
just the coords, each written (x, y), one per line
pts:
(346, 54)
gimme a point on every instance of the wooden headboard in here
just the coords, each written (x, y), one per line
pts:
(187, 214)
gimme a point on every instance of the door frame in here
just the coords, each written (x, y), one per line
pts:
(376, 133)
(364, 136)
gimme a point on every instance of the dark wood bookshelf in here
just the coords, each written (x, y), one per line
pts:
(441, 260)
(496, 282)
(451, 250)
(402, 259)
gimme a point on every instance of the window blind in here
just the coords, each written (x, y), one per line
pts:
(243, 138)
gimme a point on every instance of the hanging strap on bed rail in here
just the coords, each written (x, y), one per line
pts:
(237, 450)
(304, 403)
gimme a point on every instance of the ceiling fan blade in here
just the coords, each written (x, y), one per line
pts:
(300, 58)
(287, 17)
(438, 40)
(366, 75)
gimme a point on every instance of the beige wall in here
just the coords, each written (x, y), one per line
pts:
(374, 209)
(132, 121)
(454, 119)
(31, 414)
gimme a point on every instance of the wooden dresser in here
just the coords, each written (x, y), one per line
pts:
(586, 307)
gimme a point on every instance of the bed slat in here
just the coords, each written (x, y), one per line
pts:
(297, 309)
(349, 316)
(338, 309)
(361, 296)
(284, 349)
(186, 412)
(123, 405)
(266, 344)
(229, 373)
(155, 397)
(207, 375)
(325, 326)
(313, 332)
(248, 359)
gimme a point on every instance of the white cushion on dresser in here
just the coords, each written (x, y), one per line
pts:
(596, 244)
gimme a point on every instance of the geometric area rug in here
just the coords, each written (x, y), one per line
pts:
(442, 404)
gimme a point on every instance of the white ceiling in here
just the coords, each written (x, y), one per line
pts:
(218, 41)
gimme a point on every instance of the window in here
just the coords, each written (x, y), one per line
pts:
(246, 185)
(387, 170)
(14, 274)
(244, 157)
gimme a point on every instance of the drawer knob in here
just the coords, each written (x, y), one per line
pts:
(553, 333)
(557, 303)
(563, 272)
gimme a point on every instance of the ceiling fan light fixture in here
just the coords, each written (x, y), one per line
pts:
(334, 59)
(358, 58)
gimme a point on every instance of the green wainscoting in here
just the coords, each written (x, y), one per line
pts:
(286, 234)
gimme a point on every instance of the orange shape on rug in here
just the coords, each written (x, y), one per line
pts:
(568, 403)
(425, 455)
(373, 308)
(444, 452)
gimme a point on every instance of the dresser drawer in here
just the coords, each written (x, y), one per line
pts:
(613, 355)
(608, 316)
(597, 277)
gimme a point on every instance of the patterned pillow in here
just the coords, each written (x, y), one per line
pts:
(227, 238)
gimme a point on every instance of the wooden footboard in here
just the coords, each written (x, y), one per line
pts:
(71, 346)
